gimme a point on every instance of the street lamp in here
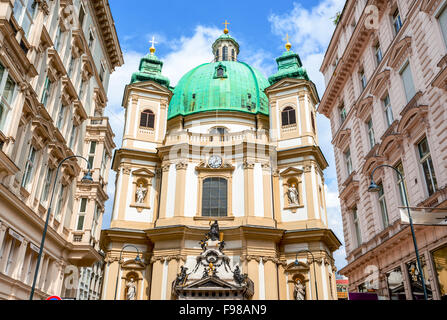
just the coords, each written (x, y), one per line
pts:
(375, 188)
(313, 263)
(137, 259)
(86, 179)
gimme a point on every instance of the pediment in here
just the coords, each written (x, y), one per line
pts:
(291, 172)
(343, 137)
(132, 264)
(210, 282)
(380, 81)
(143, 173)
(364, 107)
(401, 50)
(150, 86)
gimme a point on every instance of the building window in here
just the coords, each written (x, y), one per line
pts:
(70, 66)
(46, 92)
(91, 39)
(427, 166)
(383, 208)
(358, 234)
(7, 90)
(47, 185)
(288, 116)
(214, 197)
(58, 39)
(348, 161)
(440, 262)
(362, 77)
(370, 128)
(102, 72)
(60, 117)
(396, 285)
(442, 19)
(401, 185)
(343, 113)
(60, 201)
(73, 135)
(416, 281)
(11, 260)
(81, 214)
(225, 53)
(95, 220)
(220, 72)
(407, 79)
(233, 57)
(147, 119)
(378, 53)
(397, 21)
(217, 54)
(24, 11)
(29, 167)
(91, 154)
(81, 16)
(388, 110)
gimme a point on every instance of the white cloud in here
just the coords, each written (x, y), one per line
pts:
(189, 52)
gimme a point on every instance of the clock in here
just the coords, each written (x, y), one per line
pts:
(215, 162)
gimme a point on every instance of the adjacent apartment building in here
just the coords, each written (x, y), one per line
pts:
(55, 61)
(386, 98)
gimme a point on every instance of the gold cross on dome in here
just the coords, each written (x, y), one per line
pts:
(226, 23)
(153, 42)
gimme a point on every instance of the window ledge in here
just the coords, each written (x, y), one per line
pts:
(201, 218)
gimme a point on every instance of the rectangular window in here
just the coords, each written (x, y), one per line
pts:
(343, 114)
(383, 208)
(427, 167)
(440, 262)
(91, 39)
(388, 110)
(60, 201)
(47, 185)
(14, 246)
(60, 117)
(397, 21)
(378, 53)
(73, 136)
(401, 185)
(29, 167)
(358, 234)
(81, 215)
(71, 66)
(407, 79)
(7, 90)
(46, 92)
(370, 128)
(415, 279)
(104, 162)
(24, 11)
(102, 72)
(95, 221)
(363, 81)
(81, 16)
(58, 39)
(91, 154)
(348, 161)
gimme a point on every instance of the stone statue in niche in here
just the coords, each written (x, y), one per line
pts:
(292, 194)
(141, 194)
(299, 293)
(131, 290)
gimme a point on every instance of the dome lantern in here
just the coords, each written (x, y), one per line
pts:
(225, 48)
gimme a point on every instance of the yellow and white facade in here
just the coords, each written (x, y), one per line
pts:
(255, 168)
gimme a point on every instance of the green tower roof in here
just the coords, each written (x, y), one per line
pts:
(223, 86)
(289, 66)
(150, 69)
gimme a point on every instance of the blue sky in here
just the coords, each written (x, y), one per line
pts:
(184, 32)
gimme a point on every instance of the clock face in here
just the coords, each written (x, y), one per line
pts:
(215, 162)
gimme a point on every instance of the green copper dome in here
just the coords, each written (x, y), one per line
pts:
(150, 69)
(289, 66)
(224, 86)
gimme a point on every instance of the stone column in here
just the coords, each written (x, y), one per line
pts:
(271, 280)
(180, 189)
(157, 279)
(16, 273)
(267, 184)
(125, 181)
(309, 194)
(248, 192)
(43, 273)
(164, 190)
(5, 255)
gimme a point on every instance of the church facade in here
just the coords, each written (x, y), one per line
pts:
(220, 189)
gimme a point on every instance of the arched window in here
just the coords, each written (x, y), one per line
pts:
(217, 54)
(147, 119)
(220, 72)
(225, 53)
(288, 116)
(232, 55)
(219, 131)
(214, 197)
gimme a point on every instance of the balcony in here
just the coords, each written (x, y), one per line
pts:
(209, 140)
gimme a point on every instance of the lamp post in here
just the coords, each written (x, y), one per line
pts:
(87, 179)
(375, 188)
(137, 259)
(313, 263)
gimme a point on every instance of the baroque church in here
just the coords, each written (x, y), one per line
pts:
(220, 189)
